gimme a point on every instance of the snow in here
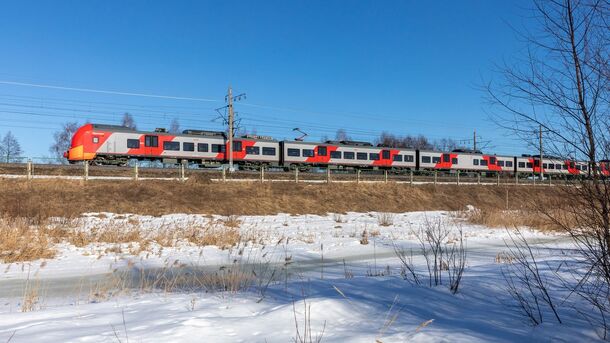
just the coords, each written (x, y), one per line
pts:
(355, 292)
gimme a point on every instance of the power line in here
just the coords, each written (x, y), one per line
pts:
(13, 83)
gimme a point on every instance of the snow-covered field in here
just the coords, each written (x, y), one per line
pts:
(312, 274)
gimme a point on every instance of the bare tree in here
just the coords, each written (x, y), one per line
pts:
(174, 127)
(62, 139)
(561, 86)
(128, 121)
(341, 135)
(10, 150)
(414, 142)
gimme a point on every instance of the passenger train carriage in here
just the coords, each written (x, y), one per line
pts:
(345, 154)
(116, 145)
(110, 144)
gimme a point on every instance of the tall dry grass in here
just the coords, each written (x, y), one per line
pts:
(498, 218)
(40, 199)
(21, 241)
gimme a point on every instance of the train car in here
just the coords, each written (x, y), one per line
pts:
(550, 165)
(251, 151)
(466, 160)
(116, 145)
(604, 167)
(345, 154)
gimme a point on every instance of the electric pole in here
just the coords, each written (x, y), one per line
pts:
(230, 98)
(540, 161)
(474, 140)
(231, 122)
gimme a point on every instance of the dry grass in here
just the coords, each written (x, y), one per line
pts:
(493, 217)
(40, 199)
(21, 241)
(385, 219)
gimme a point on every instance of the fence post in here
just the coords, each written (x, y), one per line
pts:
(262, 173)
(29, 176)
(135, 171)
(411, 177)
(182, 176)
(516, 178)
(385, 176)
(550, 183)
(357, 175)
(86, 174)
(458, 177)
(435, 172)
(296, 175)
(224, 174)
(478, 178)
(327, 175)
(498, 180)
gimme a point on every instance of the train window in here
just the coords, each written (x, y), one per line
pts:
(133, 143)
(348, 155)
(269, 151)
(492, 160)
(294, 152)
(335, 154)
(454, 160)
(529, 164)
(385, 154)
(551, 166)
(218, 148)
(584, 168)
(374, 156)
(237, 146)
(186, 146)
(544, 166)
(408, 158)
(500, 163)
(475, 162)
(361, 156)
(174, 146)
(509, 163)
(521, 164)
(202, 147)
(425, 159)
(253, 150)
(558, 166)
(446, 158)
(484, 162)
(151, 141)
(578, 167)
(308, 153)
(436, 159)
(397, 158)
(96, 140)
(322, 151)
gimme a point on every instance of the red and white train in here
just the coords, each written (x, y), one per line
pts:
(116, 145)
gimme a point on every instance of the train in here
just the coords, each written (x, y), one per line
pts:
(102, 144)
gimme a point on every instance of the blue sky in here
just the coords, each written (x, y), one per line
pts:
(404, 67)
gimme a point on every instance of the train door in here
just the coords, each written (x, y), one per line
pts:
(151, 142)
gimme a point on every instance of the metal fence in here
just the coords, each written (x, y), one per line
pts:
(182, 172)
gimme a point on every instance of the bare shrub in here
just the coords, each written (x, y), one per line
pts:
(338, 218)
(443, 254)
(364, 237)
(303, 333)
(385, 219)
(525, 282)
